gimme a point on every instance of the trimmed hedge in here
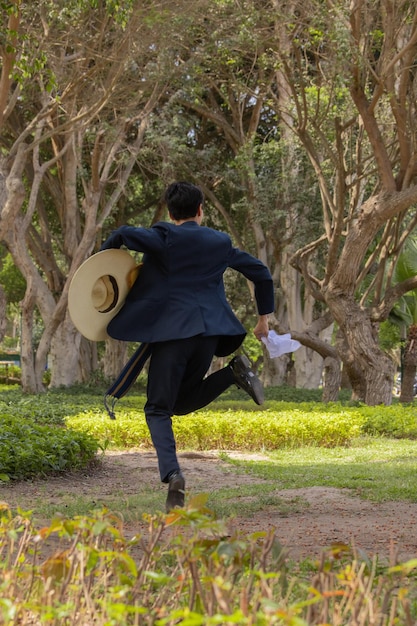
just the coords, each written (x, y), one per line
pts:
(63, 429)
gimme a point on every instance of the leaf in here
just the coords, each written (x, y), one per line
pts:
(198, 503)
(159, 577)
(56, 566)
(406, 567)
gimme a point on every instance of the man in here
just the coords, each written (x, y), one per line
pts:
(178, 305)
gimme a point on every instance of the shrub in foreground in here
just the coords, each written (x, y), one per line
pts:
(185, 569)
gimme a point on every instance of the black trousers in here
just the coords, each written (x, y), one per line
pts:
(177, 385)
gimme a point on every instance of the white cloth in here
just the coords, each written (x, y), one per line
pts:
(280, 344)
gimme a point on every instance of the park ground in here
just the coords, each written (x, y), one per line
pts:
(315, 519)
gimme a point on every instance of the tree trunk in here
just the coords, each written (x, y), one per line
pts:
(316, 339)
(308, 363)
(409, 366)
(350, 370)
(332, 378)
(375, 367)
(3, 319)
(354, 319)
(114, 359)
(274, 371)
(30, 384)
(65, 348)
(88, 361)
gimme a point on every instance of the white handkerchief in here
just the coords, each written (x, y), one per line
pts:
(280, 344)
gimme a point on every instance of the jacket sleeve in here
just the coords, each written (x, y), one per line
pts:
(137, 239)
(257, 272)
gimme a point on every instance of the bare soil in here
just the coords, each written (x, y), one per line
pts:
(316, 518)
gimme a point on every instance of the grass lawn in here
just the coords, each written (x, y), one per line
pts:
(376, 468)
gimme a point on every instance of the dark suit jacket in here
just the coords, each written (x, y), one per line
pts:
(179, 292)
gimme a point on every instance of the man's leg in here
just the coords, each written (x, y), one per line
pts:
(170, 363)
(176, 384)
(166, 369)
(196, 391)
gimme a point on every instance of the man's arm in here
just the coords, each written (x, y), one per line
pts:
(258, 273)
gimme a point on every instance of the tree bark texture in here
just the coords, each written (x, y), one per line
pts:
(65, 355)
(409, 366)
(367, 362)
(332, 378)
(3, 319)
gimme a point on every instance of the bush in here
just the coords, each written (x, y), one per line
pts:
(10, 374)
(282, 426)
(186, 570)
(228, 424)
(398, 421)
(27, 449)
(266, 430)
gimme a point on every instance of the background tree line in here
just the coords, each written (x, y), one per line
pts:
(296, 118)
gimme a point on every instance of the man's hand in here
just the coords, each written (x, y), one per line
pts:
(262, 327)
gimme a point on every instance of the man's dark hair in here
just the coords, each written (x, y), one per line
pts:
(183, 200)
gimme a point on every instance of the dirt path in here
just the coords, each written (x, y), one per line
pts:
(322, 517)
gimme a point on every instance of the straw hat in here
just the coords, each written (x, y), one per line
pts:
(98, 290)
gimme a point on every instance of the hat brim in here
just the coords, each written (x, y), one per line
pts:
(115, 267)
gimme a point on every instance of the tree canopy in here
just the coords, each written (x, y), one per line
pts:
(296, 118)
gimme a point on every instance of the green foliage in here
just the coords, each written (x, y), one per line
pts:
(194, 575)
(63, 429)
(44, 408)
(11, 280)
(379, 469)
(129, 430)
(10, 374)
(13, 374)
(396, 421)
(286, 393)
(280, 425)
(389, 335)
(235, 427)
(404, 312)
(27, 449)
(277, 427)
(34, 440)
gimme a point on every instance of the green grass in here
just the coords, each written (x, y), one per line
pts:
(373, 468)
(378, 469)
(368, 450)
(243, 500)
(246, 500)
(131, 508)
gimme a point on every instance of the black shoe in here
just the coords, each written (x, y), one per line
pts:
(246, 379)
(176, 492)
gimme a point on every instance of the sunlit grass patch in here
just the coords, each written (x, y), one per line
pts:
(376, 468)
(246, 500)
